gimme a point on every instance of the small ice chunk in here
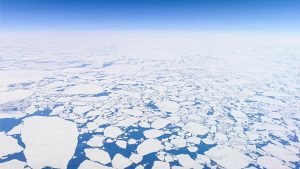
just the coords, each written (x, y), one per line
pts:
(8, 145)
(160, 123)
(136, 158)
(149, 146)
(131, 141)
(112, 132)
(121, 144)
(44, 137)
(12, 164)
(225, 155)
(195, 128)
(270, 162)
(187, 162)
(98, 155)
(96, 141)
(153, 133)
(88, 164)
(160, 165)
(119, 161)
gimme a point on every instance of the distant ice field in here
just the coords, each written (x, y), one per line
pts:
(149, 100)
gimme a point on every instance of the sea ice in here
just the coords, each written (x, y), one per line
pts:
(149, 146)
(119, 161)
(153, 133)
(45, 138)
(8, 145)
(83, 89)
(112, 132)
(160, 165)
(195, 128)
(225, 156)
(14, 95)
(98, 155)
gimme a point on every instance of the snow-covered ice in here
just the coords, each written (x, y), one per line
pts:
(149, 99)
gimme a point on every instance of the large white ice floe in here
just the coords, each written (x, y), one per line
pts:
(195, 128)
(14, 95)
(149, 146)
(8, 145)
(98, 155)
(228, 157)
(112, 132)
(83, 89)
(49, 141)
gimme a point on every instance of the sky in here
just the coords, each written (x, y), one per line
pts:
(230, 15)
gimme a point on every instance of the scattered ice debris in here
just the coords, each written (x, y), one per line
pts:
(8, 145)
(195, 128)
(149, 146)
(98, 155)
(15, 95)
(119, 161)
(45, 137)
(112, 132)
(224, 156)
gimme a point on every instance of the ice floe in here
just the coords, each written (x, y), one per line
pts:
(195, 128)
(224, 156)
(119, 161)
(13, 164)
(44, 137)
(149, 146)
(8, 145)
(98, 155)
(112, 132)
(14, 95)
